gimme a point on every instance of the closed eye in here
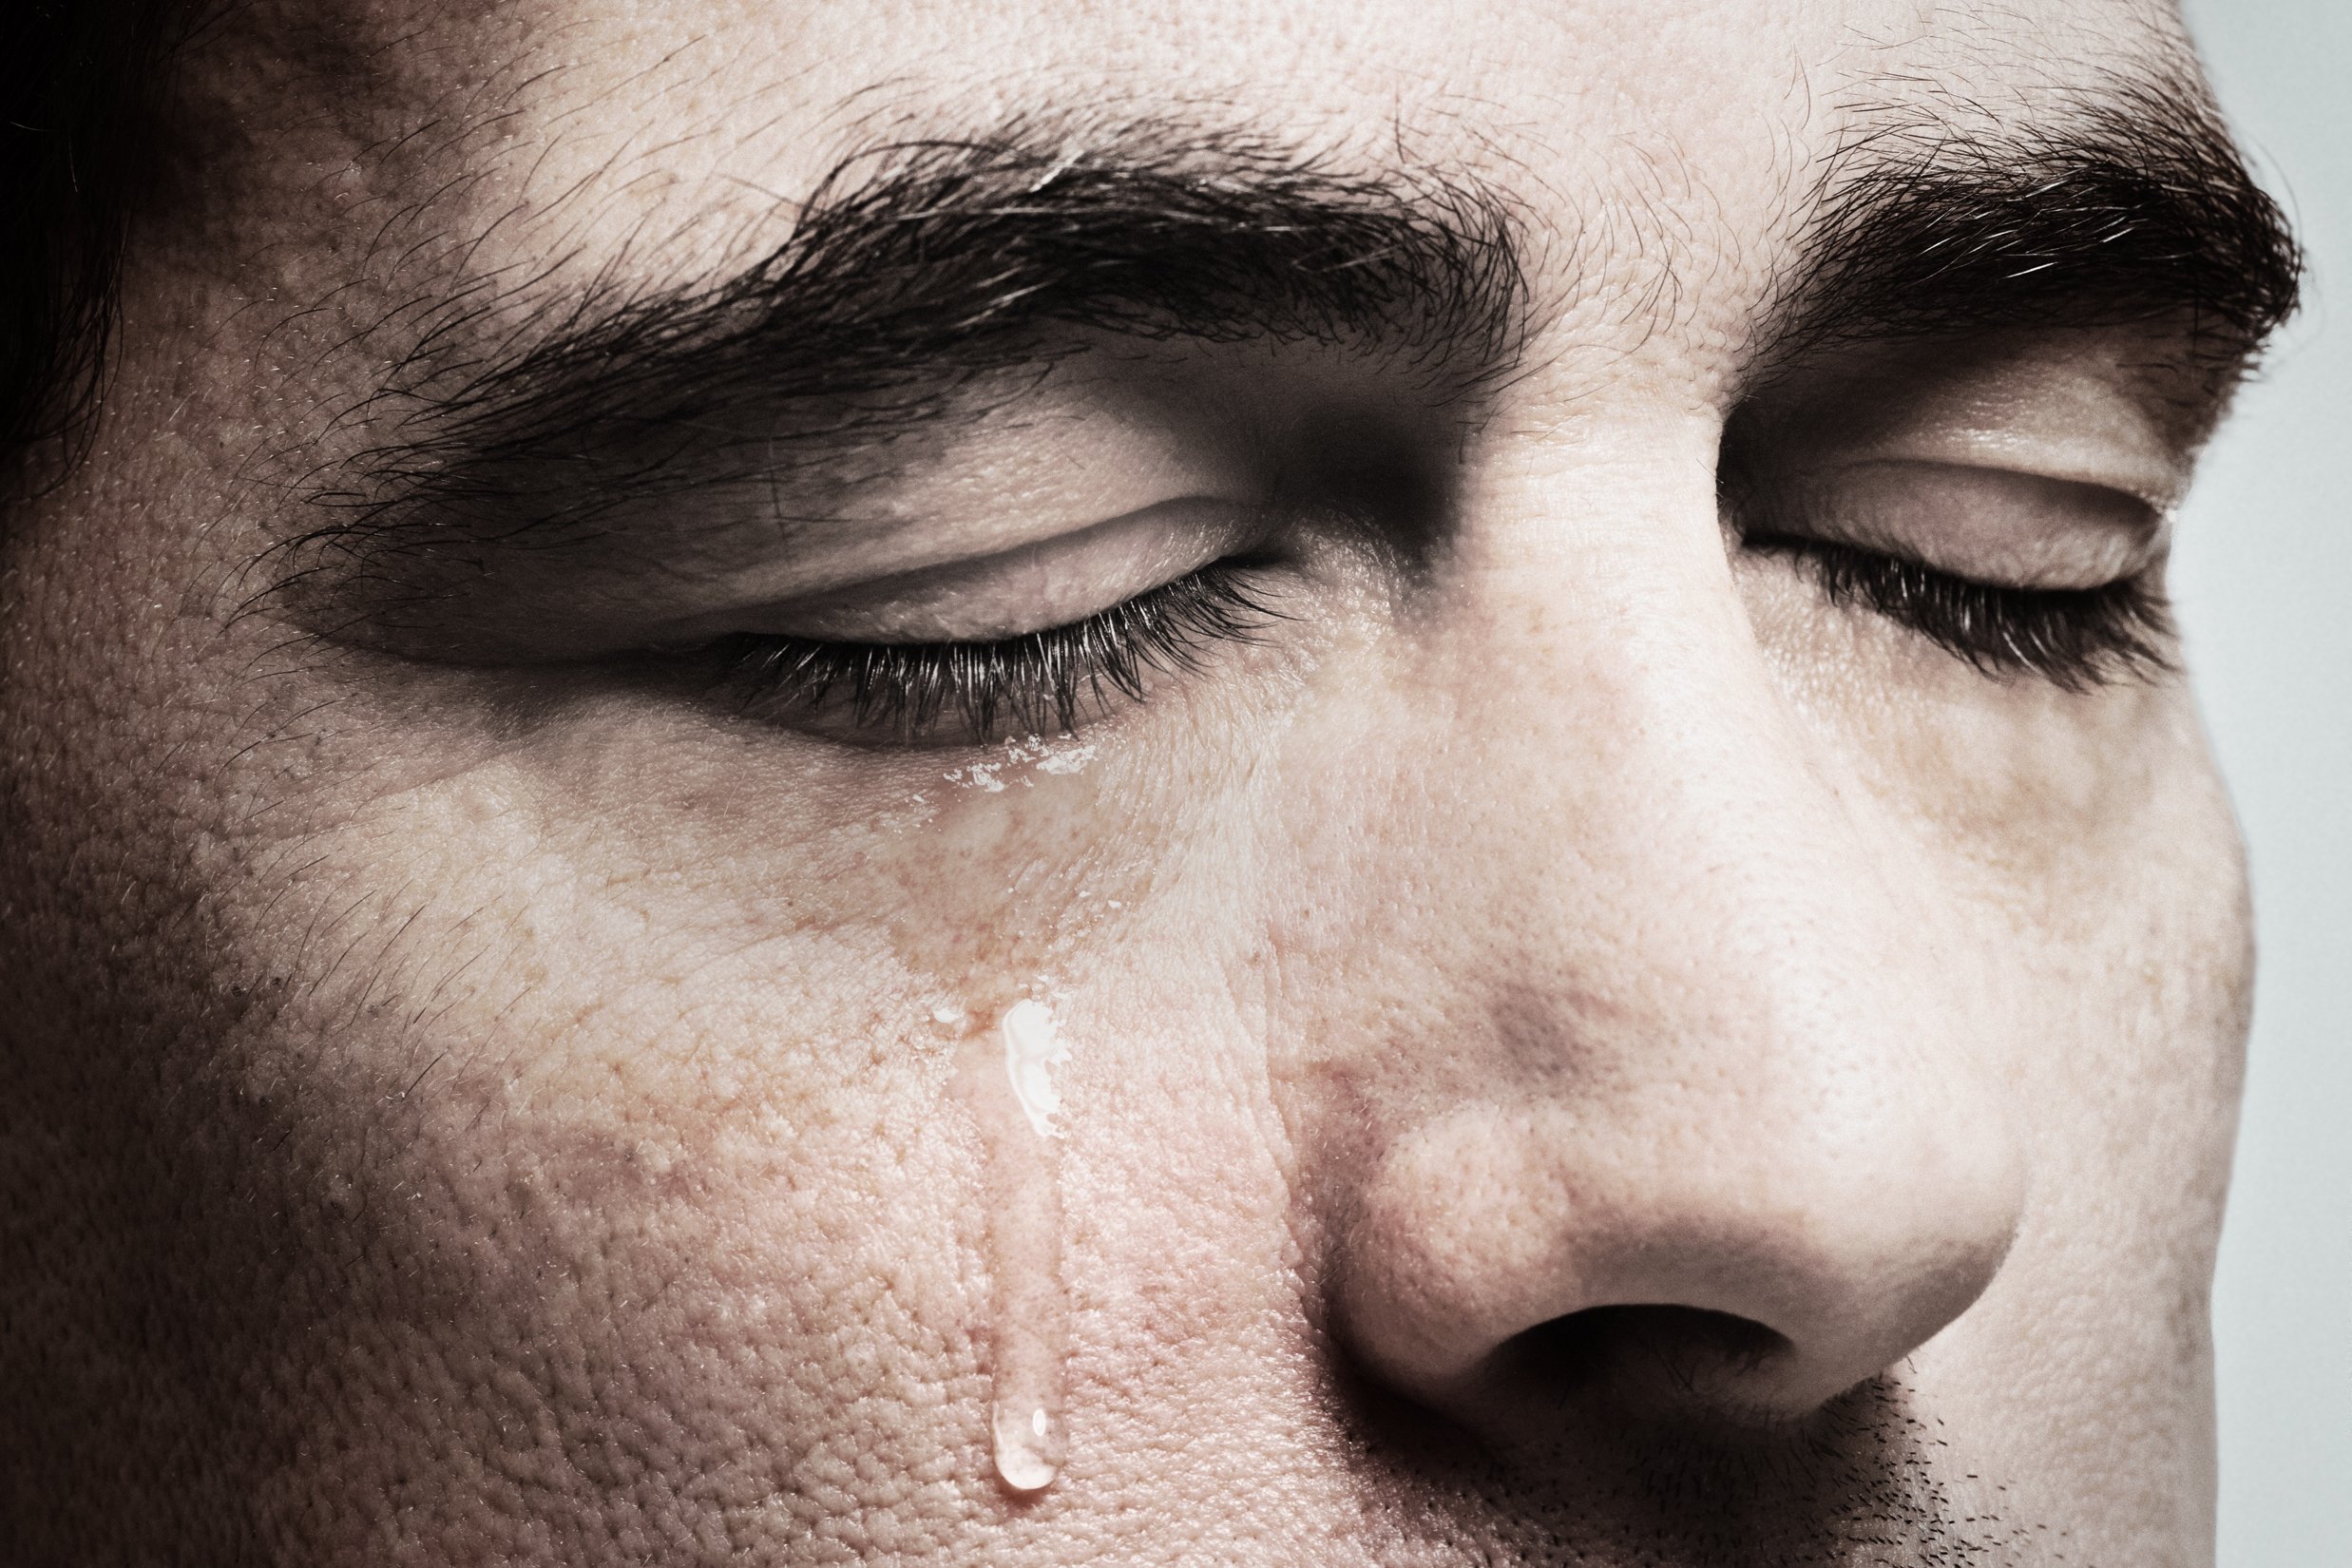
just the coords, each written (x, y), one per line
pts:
(1050, 681)
(2076, 639)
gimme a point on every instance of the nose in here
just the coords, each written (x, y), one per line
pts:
(1504, 1259)
(1687, 1108)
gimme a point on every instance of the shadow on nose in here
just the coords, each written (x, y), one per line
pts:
(1648, 1357)
(1506, 1267)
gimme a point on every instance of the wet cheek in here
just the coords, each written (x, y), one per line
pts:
(730, 894)
(637, 1095)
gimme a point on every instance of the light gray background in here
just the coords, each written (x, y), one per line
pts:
(2264, 585)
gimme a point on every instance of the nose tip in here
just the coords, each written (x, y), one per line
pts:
(1503, 1262)
(1683, 1094)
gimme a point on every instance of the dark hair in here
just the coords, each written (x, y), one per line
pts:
(80, 84)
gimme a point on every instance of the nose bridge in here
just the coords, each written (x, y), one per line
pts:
(1657, 832)
(1702, 921)
(1697, 1057)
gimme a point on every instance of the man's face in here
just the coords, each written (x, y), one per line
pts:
(1535, 633)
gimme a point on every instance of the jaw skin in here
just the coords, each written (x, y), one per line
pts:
(1581, 1049)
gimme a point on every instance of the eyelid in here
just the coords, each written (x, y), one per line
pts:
(2097, 449)
(2096, 407)
(1976, 522)
(1036, 585)
(2075, 638)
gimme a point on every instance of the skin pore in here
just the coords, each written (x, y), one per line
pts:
(1653, 962)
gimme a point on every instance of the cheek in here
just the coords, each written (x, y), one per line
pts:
(2078, 861)
(2076, 855)
(622, 1149)
(2057, 810)
(2127, 1020)
(639, 894)
(624, 1060)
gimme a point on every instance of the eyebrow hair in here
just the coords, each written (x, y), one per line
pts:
(2134, 206)
(915, 269)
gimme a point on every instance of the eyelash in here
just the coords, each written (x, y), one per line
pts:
(1043, 682)
(1050, 681)
(2076, 639)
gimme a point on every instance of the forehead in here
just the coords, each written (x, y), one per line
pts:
(1642, 143)
(1498, 71)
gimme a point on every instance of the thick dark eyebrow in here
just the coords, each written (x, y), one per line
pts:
(912, 271)
(2132, 206)
(917, 270)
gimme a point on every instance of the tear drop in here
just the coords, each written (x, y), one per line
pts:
(1016, 1101)
(1029, 1449)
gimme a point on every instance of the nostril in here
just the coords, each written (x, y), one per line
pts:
(1652, 1356)
(1532, 1273)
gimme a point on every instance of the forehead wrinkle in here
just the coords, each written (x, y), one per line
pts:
(631, 206)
